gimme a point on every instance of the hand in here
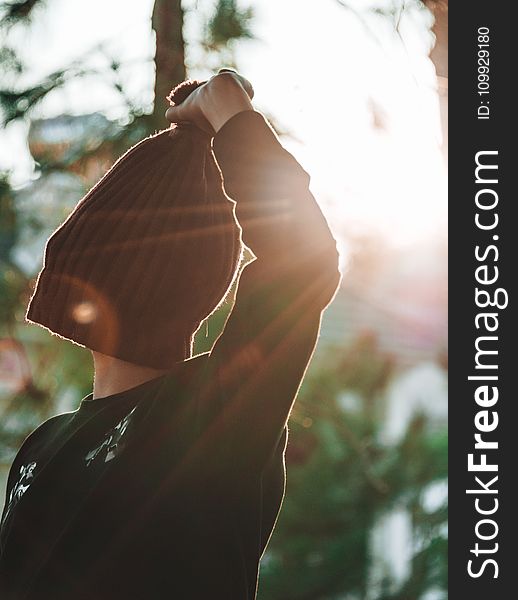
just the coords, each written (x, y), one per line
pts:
(212, 104)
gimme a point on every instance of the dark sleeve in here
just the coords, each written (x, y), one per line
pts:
(257, 364)
(11, 479)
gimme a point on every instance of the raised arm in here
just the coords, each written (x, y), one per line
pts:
(258, 362)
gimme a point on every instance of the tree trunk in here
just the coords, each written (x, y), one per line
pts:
(167, 23)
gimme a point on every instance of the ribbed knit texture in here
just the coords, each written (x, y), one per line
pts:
(145, 256)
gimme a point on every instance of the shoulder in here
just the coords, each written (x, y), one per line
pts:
(47, 429)
(23, 462)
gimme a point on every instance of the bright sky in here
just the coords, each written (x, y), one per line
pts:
(318, 71)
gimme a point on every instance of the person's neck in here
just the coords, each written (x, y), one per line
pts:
(112, 375)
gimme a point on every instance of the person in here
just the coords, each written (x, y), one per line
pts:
(168, 479)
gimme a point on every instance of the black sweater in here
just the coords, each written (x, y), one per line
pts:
(172, 489)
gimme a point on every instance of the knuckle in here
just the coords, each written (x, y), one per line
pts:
(227, 78)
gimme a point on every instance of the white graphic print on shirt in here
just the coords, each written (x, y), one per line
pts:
(112, 445)
(20, 487)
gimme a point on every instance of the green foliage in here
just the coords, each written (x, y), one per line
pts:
(16, 104)
(228, 23)
(8, 232)
(12, 281)
(16, 12)
(10, 61)
(341, 479)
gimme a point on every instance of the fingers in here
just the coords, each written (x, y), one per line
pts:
(242, 80)
(248, 88)
(186, 110)
(170, 114)
(175, 114)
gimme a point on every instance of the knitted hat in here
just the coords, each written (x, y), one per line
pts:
(146, 255)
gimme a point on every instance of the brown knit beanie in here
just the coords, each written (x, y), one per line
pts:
(146, 255)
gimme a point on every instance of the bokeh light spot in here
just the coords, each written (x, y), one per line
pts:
(84, 313)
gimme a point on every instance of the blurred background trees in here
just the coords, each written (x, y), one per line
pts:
(364, 517)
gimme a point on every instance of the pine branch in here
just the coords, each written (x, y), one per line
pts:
(227, 24)
(18, 12)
